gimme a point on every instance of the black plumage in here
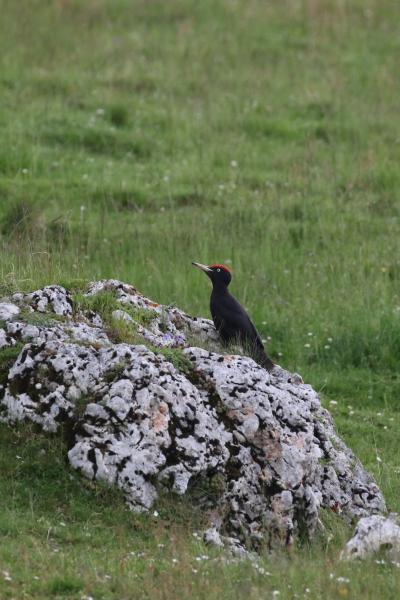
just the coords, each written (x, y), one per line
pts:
(230, 318)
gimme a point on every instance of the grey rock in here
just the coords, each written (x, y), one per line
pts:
(53, 297)
(151, 424)
(122, 315)
(372, 534)
(5, 340)
(261, 441)
(17, 297)
(8, 311)
(281, 424)
(213, 537)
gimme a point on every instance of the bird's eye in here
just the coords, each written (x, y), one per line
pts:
(218, 270)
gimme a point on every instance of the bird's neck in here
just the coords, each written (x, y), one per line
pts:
(220, 288)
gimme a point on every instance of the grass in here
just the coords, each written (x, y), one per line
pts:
(137, 137)
(8, 356)
(106, 302)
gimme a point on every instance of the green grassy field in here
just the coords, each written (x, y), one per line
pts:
(138, 136)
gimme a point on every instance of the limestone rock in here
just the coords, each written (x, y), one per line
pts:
(8, 310)
(373, 534)
(54, 297)
(150, 422)
(262, 443)
(287, 452)
(5, 340)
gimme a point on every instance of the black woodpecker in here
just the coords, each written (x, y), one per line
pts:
(230, 319)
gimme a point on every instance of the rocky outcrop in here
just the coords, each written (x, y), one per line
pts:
(165, 413)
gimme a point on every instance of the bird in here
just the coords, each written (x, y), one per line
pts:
(230, 318)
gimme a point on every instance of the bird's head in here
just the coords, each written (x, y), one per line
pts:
(219, 274)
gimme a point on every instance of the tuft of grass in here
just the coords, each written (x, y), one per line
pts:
(177, 358)
(21, 218)
(115, 372)
(118, 115)
(41, 319)
(103, 303)
(8, 356)
(74, 285)
(120, 331)
(140, 315)
(65, 585)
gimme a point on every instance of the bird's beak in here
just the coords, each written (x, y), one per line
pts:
(202, 267)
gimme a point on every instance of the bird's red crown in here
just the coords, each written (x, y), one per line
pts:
(225, 268)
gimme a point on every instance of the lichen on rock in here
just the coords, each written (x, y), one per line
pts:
(138, 422)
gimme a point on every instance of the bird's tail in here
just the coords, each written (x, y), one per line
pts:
(263, 359)
(255, 349)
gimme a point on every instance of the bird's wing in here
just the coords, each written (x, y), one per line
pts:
(231, 314)
(256, 334)
(231, 320)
